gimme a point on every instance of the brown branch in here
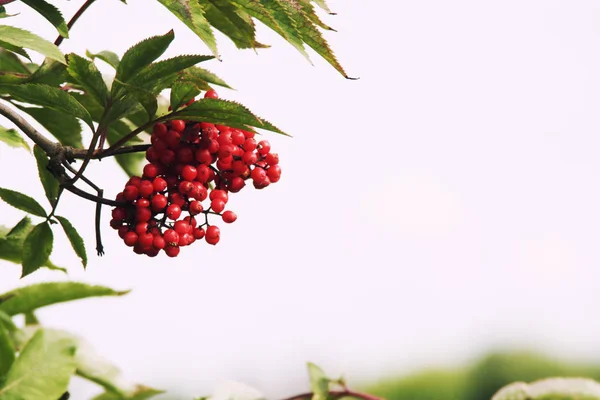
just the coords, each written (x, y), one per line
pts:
(337, 394)
(111, 150)
(48, 146)
(81, 153)
(74, 19)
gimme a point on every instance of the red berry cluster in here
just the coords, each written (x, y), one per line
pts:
(193, 166)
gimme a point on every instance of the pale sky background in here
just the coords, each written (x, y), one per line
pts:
(445, 203)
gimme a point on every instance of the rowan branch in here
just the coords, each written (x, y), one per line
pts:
(45, 144)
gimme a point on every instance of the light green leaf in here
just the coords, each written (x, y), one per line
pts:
(273, 15)
(21, 229)
(75, 239)
(7, 352)
(319, 382)
(31, 319)
(193, 73)
(51, 13)
(43, 369)
(11, 245)
(310, 34)
(12, 138)
(87, 75)
(309, 10)
(22, 202)
(65, 128)
(15, 49)
(141, 55)
(190, 12)
(181, 93)
(225, 18)
(551, 389)
(11, 63)
(142, 394)
(32, 297)
(48, 180)
(23, 38)
(148, 77)
(37, 248)
(107, 56)
(50, 97)
(223, 112)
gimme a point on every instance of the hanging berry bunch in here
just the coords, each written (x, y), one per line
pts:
(193, 167)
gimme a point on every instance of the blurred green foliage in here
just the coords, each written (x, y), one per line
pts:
(481, 379)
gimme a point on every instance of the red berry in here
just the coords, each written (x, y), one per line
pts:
(199, 233)
(134, 181)
(173, 211)
(172, 251)
(274, 173)
(184, 155)
(123, 231)
(178, 125)
(262, 184)
(272, 158)
(263, 147)
(167, 157)
(186, 187)
(189, 173)
(229, 217)
(185, 239)
(130, 193)
(250, 157)
(181, 227)
(116, 223)
(177, 198)
(145, 240)
(258, 174)
(211, 94)
(213, 234)
(237, 137)
(203, 156)
(141, 227)
(146, 188)
(143, 214)
(119, 213)
(159, 184)
(217, 205)
(250, 144)
(152, 155)
(159, 130)
(173, 138)
(219, 194)
(159, 242)
(159, 202)
(236, 185)
(130, 238)
(150, 171)
(196, 207)
(171, 237)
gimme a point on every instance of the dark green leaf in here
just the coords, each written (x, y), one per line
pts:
(200, 73)
(87, 75)
(12, 138)
(51, 13)
(146, 98)
(65, 128)
(11, 63)
(141, 55)
(191, 13)
(32, 297)
(7, 353)
(131, 163)
(15, 49)
(11, 245)
(43, 369)
(310, 34)
(50, 73)
(181, 93)
(50, 97)
(22, 202)
(122, 107)
(37, 248)
(149, 76)
(223, 112)
(107, 56)
(48, 180)
(319, 383)
(23, 38)
(21, 229)
(225, 18)
(75, 239)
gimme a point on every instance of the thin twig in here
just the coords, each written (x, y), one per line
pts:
(74, 19)
(111, 150)
(48, 146)
(80, 153)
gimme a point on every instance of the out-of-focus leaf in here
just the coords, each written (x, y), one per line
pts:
(107, 56)
(48, 180)
(12, 138)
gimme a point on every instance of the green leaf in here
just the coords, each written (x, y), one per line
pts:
(65, 128)
(7, 322)
(181, 93)
(23, 38)
(551, 389)
(141, 55)
(142, 394)
(310, 34)
(87, 75)
(32, 297)
(225, 18)
(75, 239)
(12, 138)
(225, 113)
(22, 202)
(11, 63)
(146, 98)
(273, 15)
(193, 73)
(107, 56)
(11, 245)
(309, 10)
(130, 163)
(31, 319)
(21, 229)
(37, 248)
(319, 382)
(15, 49)
(7, 353)
(148, 77)
(50, 97)
(190, 12)
(323, 5)
(48, 180)
(50, 73)
(43, 369)
(51, 13)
